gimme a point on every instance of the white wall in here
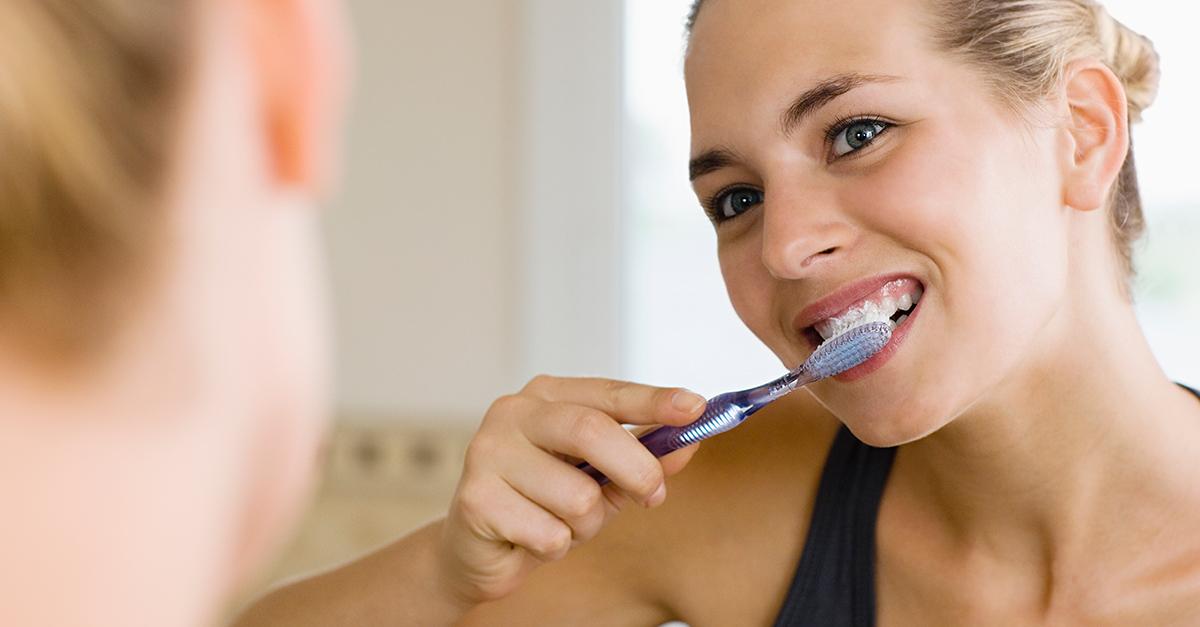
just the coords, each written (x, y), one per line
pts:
(474, 241)
(570, 200)
(421, 237)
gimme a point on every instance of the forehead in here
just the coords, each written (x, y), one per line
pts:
(763, 52)
(822, 30)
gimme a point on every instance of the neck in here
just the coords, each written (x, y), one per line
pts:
(1043, 468)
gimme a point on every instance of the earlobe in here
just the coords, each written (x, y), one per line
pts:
(1099, 132)
(296, 48)
(290, 149)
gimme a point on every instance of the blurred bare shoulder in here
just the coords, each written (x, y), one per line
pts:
(720, 551)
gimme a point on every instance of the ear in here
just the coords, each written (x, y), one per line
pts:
(299, 51)
(1098, 132)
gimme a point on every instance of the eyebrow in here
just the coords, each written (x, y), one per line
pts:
(710, 161)
(824, 93)
(801, 108)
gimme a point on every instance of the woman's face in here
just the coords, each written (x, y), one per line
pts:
(846, 159)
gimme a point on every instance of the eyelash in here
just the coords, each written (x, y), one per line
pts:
(839, 126)
(713, 204)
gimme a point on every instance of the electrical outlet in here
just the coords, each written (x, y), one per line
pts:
(395, 459)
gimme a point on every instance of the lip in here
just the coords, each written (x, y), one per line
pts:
(842, 298)
(878, 360)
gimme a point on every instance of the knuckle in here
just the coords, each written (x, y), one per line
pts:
(587, 427)
(504, 406)
(583, 502)
(584, 533)
(561, 543)
(482, 447)
(648, 478)
(615, 386)
(618, 391)
(538, 383)
(471, 501)
(555, 543)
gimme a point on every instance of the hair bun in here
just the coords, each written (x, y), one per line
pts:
(1133, 58)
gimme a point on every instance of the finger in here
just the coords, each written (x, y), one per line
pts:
(628, 402)
(591, 435)
(675, 461)
(672, 463)
(616, 499)
(560, 489)
(510, 517)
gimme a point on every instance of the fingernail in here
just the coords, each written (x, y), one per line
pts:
(658, 497)
(687, 402)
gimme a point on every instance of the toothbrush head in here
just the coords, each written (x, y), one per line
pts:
(847, 350)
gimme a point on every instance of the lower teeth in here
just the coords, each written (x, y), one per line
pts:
(900, 321)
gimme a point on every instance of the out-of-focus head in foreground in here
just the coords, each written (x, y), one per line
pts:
(162, 342)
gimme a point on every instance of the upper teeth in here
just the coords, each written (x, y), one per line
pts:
(867, 311)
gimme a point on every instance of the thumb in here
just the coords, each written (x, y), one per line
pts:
(686, 406)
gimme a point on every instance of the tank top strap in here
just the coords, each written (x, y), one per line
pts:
(834, 585)
(1190, 389)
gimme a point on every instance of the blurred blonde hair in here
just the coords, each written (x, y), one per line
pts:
(89, 105)
(1022, 47)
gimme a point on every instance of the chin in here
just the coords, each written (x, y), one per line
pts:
(890, 432)
(887, 425)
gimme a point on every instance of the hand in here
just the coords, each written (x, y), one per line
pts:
(521, 502)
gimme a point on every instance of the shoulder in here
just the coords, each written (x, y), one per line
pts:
(737, 515)
(781, 444)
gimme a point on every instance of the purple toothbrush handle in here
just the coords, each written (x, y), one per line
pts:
(724, 412)
(660, 441)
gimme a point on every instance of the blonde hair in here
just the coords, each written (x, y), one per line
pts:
(1023, 47)
(88, 112)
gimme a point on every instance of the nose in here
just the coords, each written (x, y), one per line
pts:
(801, 236)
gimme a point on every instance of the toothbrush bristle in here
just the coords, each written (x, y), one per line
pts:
(849, 349)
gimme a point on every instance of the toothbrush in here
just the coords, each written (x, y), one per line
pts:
(728, 410)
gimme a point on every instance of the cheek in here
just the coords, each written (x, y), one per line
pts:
(750, 287)
(983, 212)
(985, 221)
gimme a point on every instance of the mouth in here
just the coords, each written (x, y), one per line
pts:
(892, 299)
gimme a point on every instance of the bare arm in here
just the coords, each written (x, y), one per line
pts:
(396, 585)
(747, 495)
(521, 504)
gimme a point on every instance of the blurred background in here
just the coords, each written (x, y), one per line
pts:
(516, 202)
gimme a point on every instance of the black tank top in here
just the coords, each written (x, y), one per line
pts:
(834, 585)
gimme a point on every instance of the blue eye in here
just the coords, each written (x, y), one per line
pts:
(735, 202)
(856, 135)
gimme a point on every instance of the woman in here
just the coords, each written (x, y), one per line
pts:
(1028, 461)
